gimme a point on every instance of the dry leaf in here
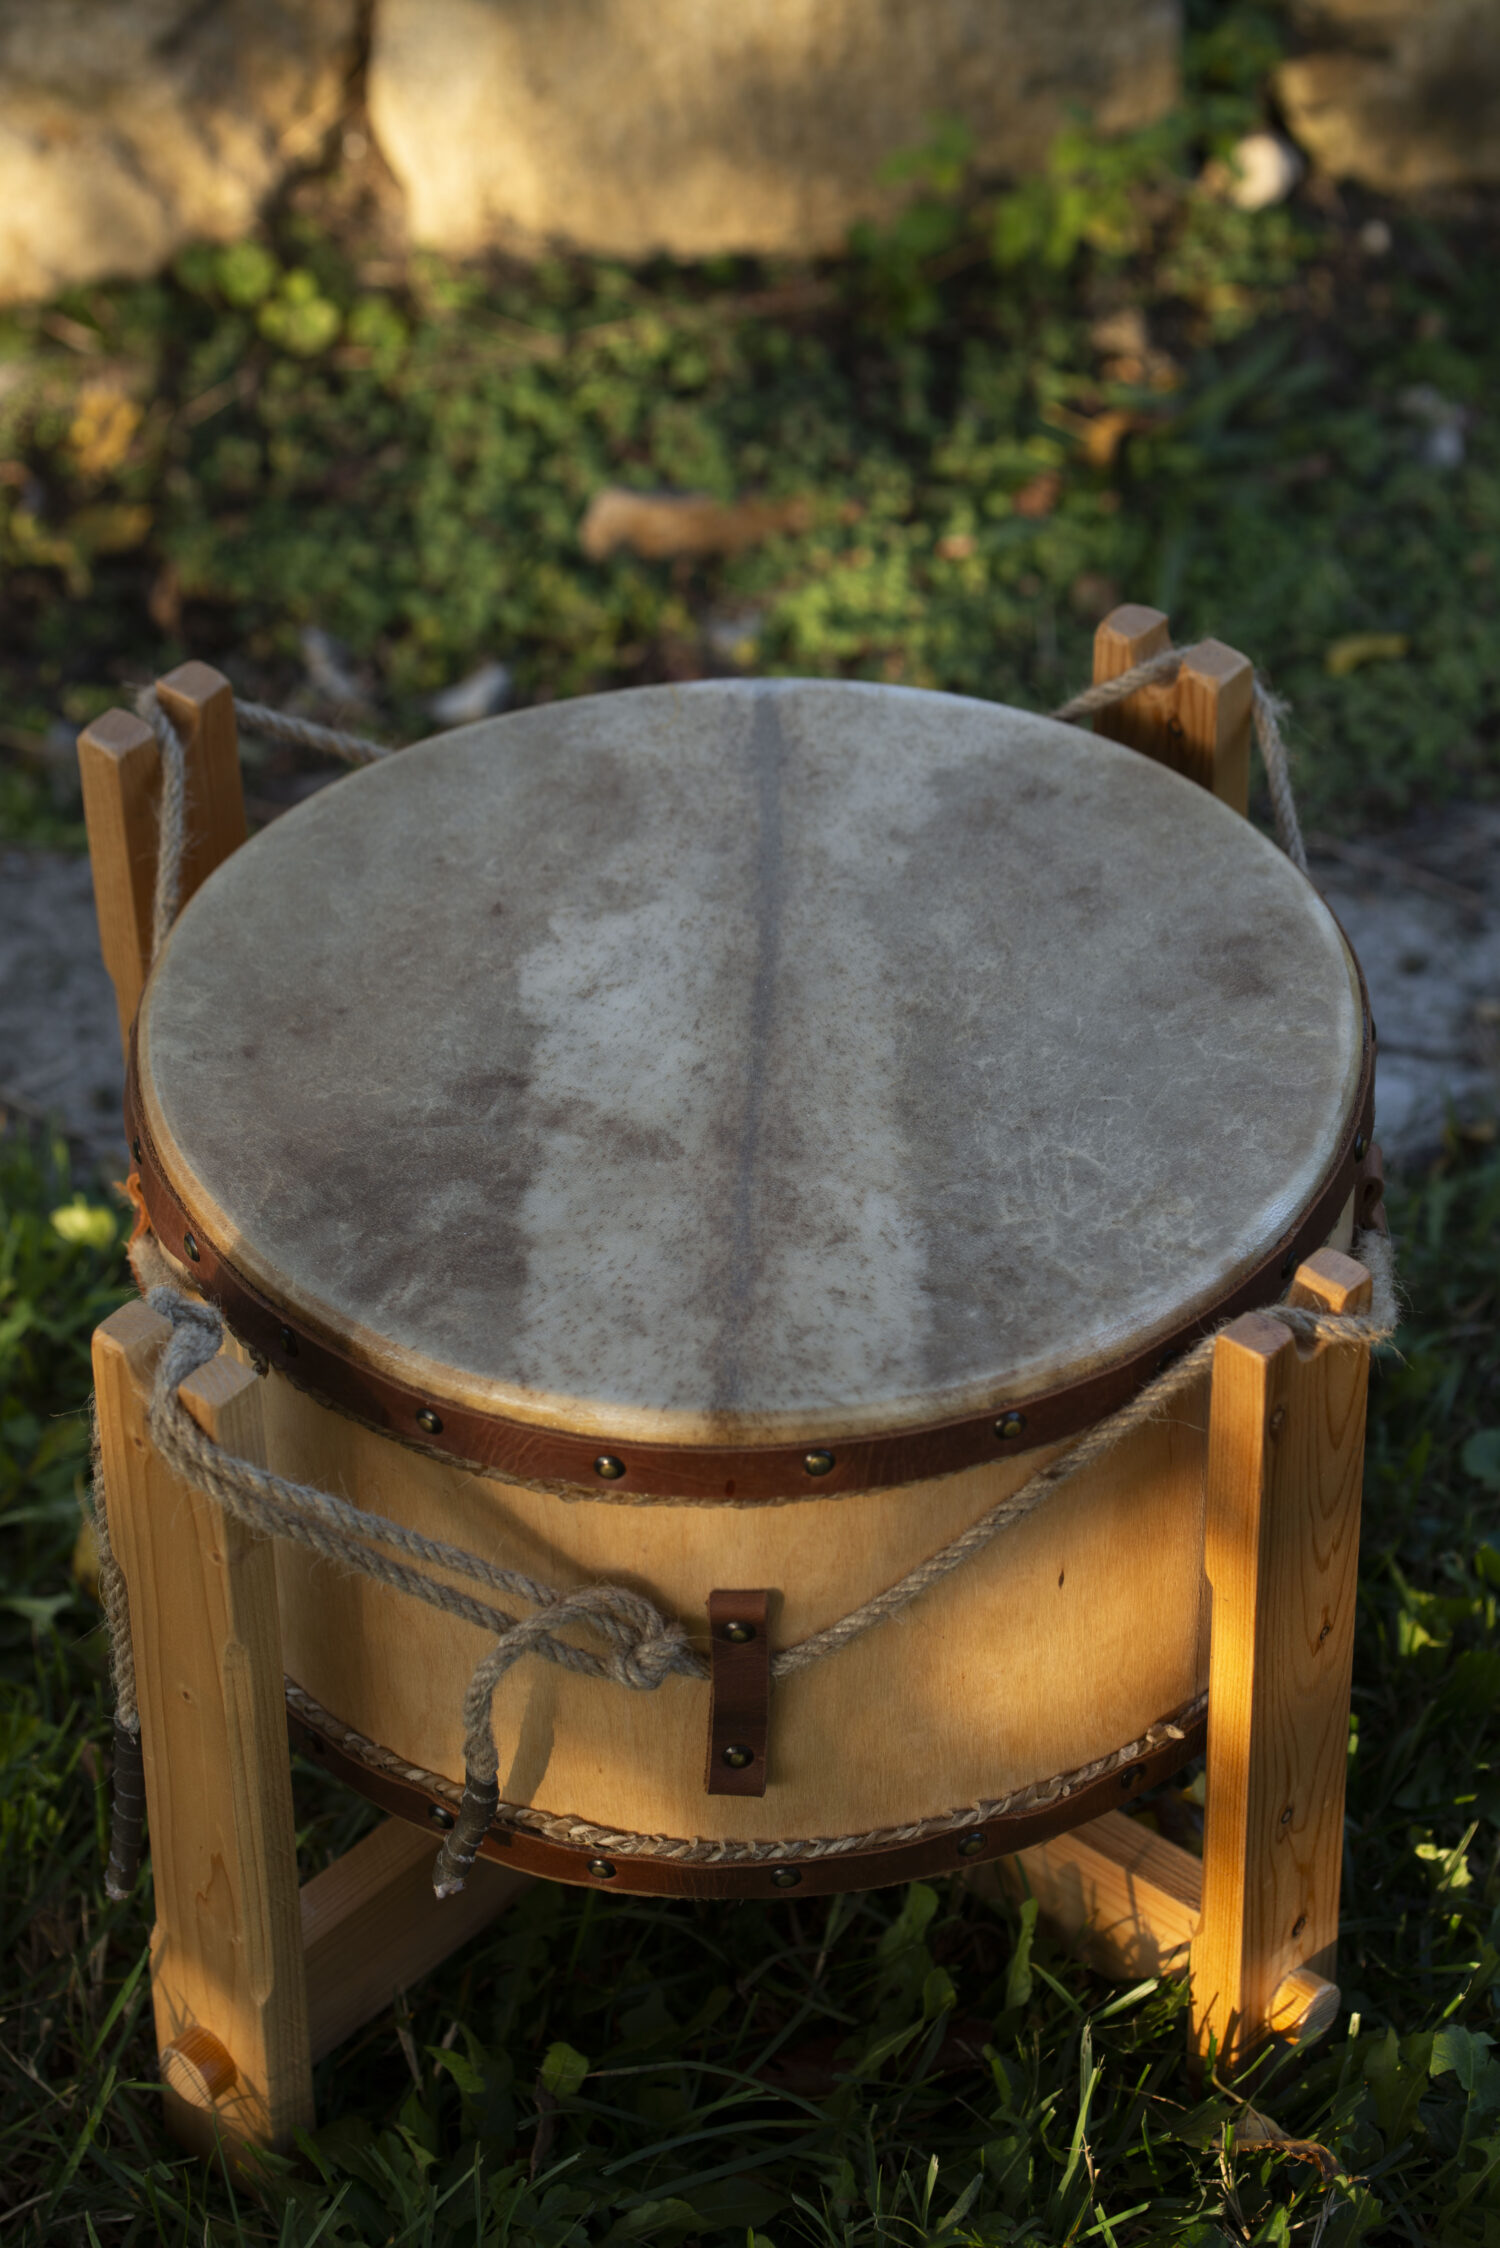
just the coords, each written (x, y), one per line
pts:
(164, 601)
(1103, 434)
(1252, 2129)
(111, 527)
(1040, 496)
(1357, 649)
(104, 423)
(661, 525)
(1122, 332)
(1093, 595)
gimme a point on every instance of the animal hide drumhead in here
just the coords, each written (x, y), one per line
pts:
(751, 1062)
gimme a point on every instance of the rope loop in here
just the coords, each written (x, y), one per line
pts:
(1266, 710)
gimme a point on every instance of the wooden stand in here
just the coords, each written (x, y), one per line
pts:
(1199, 725)
(1255, 1921)
(254, 1979)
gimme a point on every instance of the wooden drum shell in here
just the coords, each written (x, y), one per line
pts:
(1066, 1640)
(1078, 1630)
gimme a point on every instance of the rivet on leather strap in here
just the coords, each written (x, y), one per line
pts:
(740, 1691)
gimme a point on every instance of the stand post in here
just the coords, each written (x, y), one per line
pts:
(227, 1976)
(1285, 1462)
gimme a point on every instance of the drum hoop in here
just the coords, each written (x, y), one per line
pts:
(424, 1799)
(564, 1462)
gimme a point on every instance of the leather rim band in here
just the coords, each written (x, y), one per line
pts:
(726, 1474)
(644, 1876)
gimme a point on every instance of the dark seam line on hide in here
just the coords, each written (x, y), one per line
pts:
(767, 751)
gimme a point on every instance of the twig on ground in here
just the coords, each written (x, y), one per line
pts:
(1371, 861)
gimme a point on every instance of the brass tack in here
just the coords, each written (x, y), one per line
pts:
(817, 1463)
(1360, 1144)
(971, 1845)
(737, 1756)
(440, 1817)
(785, 1877)
(601, 1869)
(740, 1633)
(191, 1246)
(430, 1421)
(609, 1467)
(1009, 1425)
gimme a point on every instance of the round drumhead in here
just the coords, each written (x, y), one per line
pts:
(750, 1062)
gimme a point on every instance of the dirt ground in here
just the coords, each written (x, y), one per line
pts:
(1423, 914)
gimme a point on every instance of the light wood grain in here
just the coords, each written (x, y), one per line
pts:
(371, 1925)
(200, 703)
(1304, 2005)
(1028, 1661)
(1199, 723)
(1130, 1903)
(119, 767)
(1126, 1898)
(197, 2067)
(227, 1949)
(1285, 1459)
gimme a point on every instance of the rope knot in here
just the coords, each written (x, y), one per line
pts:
(197, 1335)
(645, 1645)
(653, 1657)
(185, 1312)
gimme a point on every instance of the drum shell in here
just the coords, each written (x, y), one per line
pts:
(1061, 1642)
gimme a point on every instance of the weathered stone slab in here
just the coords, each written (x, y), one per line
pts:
(128, 127)
(1400, 94)
(698, 127)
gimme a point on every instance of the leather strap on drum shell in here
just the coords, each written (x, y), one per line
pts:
(740, 1706)
(644, 1874)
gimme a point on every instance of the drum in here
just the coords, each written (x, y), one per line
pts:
(726, 1137)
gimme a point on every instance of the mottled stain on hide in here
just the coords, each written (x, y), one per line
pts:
(752, 1191)
(753, 1058)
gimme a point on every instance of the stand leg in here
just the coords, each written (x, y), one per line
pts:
(1285, 1461)
(227, 1975)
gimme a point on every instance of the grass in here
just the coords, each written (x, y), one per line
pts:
(916, 2066)
(1000, 413)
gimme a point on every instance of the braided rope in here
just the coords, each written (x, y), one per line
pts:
(1267, 711)
(331, 741)
(678, 1849)
(642, 1647)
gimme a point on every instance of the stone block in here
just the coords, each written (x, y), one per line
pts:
(696, 127)
(1398, 94)
(128, 127)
